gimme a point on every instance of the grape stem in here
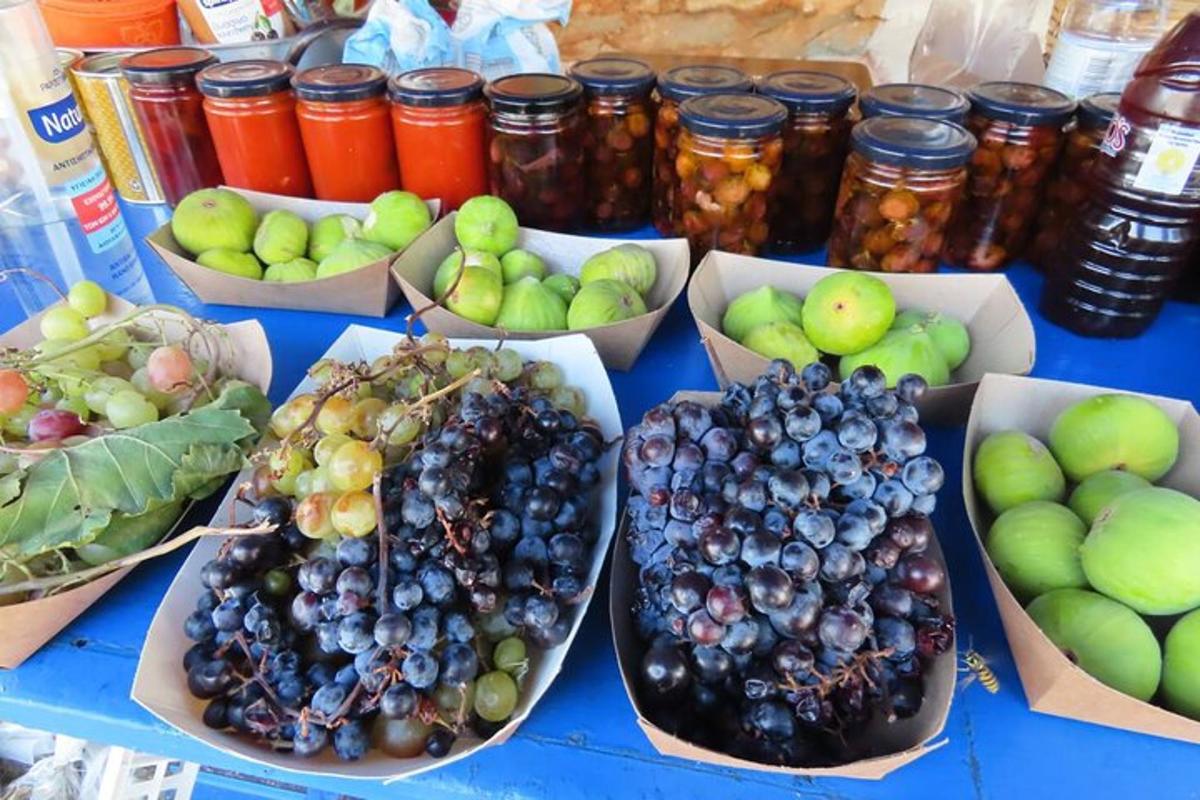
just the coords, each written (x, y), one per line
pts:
(381, 527)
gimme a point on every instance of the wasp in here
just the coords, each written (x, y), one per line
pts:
(977, 668)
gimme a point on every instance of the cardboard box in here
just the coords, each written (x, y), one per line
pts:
(619, 344)
(1053, 683)
(160, 684)
(1002, 337)
(29, 625)
(368, 291)
(890, 746)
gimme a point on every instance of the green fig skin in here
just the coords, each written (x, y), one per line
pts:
(603, 302)
(1098, 490)
(214, 219)
(448, 270)
(1144, 550)
(784, 340)
(1114, 431)
(395, 219)
(529, 306)
(1012, 467)
(1035, 548)
(487, 223)
(282, 236)
(950, 336)
(1106, 639)
(629, 263)
(847, 312)
(1181, 666)
(899, 353)
(350, 255)
(231, 262)
(330, 231)
(477, 296)
(565, 286)
(297, 270)
(760, 306)
(518, 264)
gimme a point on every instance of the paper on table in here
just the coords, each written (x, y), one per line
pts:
(160, 684)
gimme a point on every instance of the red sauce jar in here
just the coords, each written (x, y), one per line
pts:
(347, 131)
(252, 116)
(439, 122)
(162, 88)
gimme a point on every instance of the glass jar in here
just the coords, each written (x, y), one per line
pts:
(1100, 43)
(730, 152)
(618, 147)
(914, 100)
(347, 131)
(816, 137)
(902, 181)
(252, 116)
(535, 148)
(439, 122)
(675, 86)
(1067, 189)
(1019, 127)
(162, 89)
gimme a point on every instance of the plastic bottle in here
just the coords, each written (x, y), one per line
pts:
(1100, 44)
(1138, 231)
(58, 212)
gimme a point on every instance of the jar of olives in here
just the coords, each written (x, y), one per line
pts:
(535, 148)
(816, 138)
(675, 86)
(730, 152)
(1067, 189)
(1019, 127)
(914, 100)
(618, 147)
(900, 186)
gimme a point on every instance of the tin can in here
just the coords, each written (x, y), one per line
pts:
(104, 96)
(67, 56)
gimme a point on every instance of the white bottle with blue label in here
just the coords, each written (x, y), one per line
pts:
(58, 212)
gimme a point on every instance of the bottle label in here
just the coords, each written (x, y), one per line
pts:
(96, 207)
(1170, 161)
(1116, 136)
(58, 121)
(1082, 65)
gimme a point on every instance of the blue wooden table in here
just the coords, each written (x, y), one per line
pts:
(581, 741)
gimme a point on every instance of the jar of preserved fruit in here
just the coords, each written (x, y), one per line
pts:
(347, 131)
(730, 152)
(1019, 127)
(914, 100)
(252, 116)
(162, 89)
(1066, 190)
(675, 86)
(902, 181)
(439, 121)
(618, 147)
(535, 148)
(816, 137)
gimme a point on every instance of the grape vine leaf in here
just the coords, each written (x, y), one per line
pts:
(10, 486)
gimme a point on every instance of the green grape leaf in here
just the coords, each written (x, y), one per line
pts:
(248, 400)
(10, 486)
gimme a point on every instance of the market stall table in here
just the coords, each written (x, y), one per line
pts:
(581, 740)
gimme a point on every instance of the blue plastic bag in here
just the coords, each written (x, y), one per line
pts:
(491, 37)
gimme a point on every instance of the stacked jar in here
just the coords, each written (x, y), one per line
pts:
(439, 121)
(347, 131)
(816, 138)
(1019, 127)
(1067, 189)
(252, 116)
(914, 100)
(675, 86)
(618, 147)
(730, 152)
(162, 89)
(902, 181)
(535, 148)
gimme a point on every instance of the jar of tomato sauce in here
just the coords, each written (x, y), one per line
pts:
(162, 89)
(535, 148)
(252, 115)
(439, 122)
(347, 131)
(914, 100)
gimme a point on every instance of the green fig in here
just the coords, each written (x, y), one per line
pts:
(350, 255)
(448, 270)
(231, 262)
(517, 264)
(1012, 467)
(297, 270)
(396, 219)
(951, 336)
(281, 236)
(758, 307)
(1035, 548)
(565, 286)
(604, 302)
(847, 312)
(1114, 431)
(214, 219)
(1100, 489)
(477, 295)
(1181, 666)
(487, 223)
(781, 339)
(629, 263)
(328, 232)
(899, 353)
(530, 306)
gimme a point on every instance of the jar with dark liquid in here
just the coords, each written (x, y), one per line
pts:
(914, 100)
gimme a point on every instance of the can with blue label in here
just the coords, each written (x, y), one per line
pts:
(58, 212)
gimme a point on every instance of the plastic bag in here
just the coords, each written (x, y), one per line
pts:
(492, 37)
(964, 42)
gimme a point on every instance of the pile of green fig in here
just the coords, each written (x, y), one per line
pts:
(490, 281)
(852, 316)
(222, 231)
(1101, 556)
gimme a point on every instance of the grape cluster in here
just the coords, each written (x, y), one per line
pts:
(785, 591)
(418, 634)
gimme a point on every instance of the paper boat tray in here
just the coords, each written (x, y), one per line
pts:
(1002, 337)
(27, 626)
(886, 747)
(160, 684)
(619, 344)
(1053, 684)
(368, 291)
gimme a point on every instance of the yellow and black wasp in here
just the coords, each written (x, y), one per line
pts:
(976, 667)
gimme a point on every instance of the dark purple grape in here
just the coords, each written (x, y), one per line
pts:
(720, 546)
(816, 376)
(902, 440)
(842, 629)
(802, 424)
(792, 659)
(693, 420)
(891, 600)
(854, 531)
(760, 548)
(868, 381)
(920, 573)
(688, 591)
(741, 637)
(856, 432)
(814, 527)
(719, 445)
(398, 702)
(910, 388)
(840, 563)
(711, 664)
(764, 432)
(882, 553)
(770, 588)
(788, 488)
(819, 485)
(844, 467)
(800, 561)
(773, 720)
(892, 495)
(664, 670)
(703, 629)
(725, 604)
(799, 616)
(829, 407)
(818, 449)
(896, 635)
